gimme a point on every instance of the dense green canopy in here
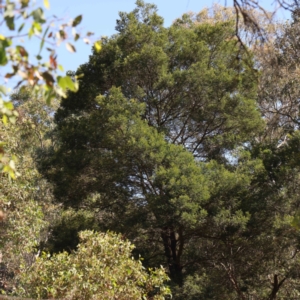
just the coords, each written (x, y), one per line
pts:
(186, 143)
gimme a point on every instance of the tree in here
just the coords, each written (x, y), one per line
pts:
(154, 157)
(165, 143)
(101, 268)
(27, 217)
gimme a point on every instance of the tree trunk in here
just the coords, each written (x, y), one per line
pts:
(173, 244)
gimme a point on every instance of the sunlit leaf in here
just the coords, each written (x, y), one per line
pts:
(98, 46)
(67, 83)
(9, 105)
(4, 119)
(46, 4)
(3, 89)
(70, 47)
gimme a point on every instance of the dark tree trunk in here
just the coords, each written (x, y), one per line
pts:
(173, 247)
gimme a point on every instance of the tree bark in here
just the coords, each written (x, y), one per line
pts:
(171, 243)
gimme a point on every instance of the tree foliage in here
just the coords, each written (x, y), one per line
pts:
(161, 144)
(101, 268)
(183, 142)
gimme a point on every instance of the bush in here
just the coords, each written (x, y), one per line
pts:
(100, 268)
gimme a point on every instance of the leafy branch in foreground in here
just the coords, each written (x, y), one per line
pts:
(24, 19)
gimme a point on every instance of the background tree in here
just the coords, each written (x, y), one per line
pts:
(170, 158)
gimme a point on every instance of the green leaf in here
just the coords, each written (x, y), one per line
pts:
(37, 28)
(77, 20)
(3, 58)
(9, 105)
(4, 119)
(38, 16)
(21, 27)
(24, 3)
(43, 39)
(10, 22)
(67, 83)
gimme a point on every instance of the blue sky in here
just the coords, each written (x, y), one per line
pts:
(99, 16)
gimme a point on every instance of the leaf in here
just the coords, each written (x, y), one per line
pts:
(22, 51)
(48, 78)
(38, 16)
(21, 27)
(12, 119)
(3, 58)
(24, 3)
(46, 4)
(10, 22)
(4, 119)
(53, 61)
(67, 83)
(98, 46)
(77, 20)
(3, 89)
(60, 67)
(9, 75)
(43, 39)
(8, 105)
(9, 9)
(70, 47)
(37, 28)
